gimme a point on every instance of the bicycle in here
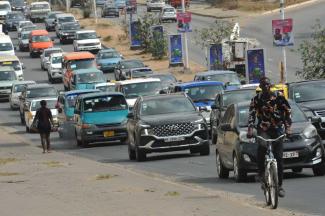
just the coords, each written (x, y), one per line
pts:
(271, 189)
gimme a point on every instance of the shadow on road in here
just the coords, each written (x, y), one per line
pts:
(10, 124)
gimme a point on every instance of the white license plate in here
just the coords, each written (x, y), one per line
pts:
(174, 139)
(293, 154)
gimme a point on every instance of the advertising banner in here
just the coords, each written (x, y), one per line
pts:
(175, 49)
(255, 65)
(183, 21)
(134, 34)
(215, 58)
(282, 32)
(157, 31)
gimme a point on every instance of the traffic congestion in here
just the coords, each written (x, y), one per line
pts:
(102, 98)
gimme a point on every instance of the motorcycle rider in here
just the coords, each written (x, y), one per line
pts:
(273, 114)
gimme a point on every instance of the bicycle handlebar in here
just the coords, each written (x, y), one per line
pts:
(271, 140)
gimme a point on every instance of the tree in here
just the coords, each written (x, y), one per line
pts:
(158, 45)
(312, 54)
(144, 34)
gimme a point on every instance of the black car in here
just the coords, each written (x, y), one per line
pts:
(123, 67)
(12, 20)
(18, 5)
(166, 123)
(110, 10)
(67, 31)
(302, 149)
(222, 101)
(49, 20)
(167, 79)
(310, 97)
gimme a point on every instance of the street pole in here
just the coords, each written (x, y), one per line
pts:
(95, 10)
(67, 5)
(284, 65)
(186, 64)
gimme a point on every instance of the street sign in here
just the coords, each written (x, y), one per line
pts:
(255, 65)
(282, 32)
(183, 21)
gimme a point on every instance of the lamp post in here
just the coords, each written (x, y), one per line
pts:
(283, 67)
(186, 63)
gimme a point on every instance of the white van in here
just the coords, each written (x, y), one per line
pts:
(5, 8)
(6, 46)
(13, 61)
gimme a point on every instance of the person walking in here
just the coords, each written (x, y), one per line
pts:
(44, 125)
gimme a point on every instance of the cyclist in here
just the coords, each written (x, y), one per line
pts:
(273, 114)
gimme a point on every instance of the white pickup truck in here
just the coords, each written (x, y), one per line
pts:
(39, 10)
(155, 5)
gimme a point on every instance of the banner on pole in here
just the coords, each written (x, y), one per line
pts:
(157, 31)
(134, 34)
(282, 32)
(215, 58)
(255, 65)
(183, 21)
(175, 50)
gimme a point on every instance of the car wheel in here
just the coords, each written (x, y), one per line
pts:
(239, 173)
(27, 130)
(205, 150)
(222, 171)
(140, 154)
(132, 154)
(77, 141)
(297, 170)
(319, 169)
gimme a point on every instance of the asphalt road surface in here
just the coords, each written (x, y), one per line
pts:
(305, 192)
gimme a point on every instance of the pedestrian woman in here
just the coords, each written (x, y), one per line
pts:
(45, 121)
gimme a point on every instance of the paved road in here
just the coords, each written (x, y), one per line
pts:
(304, 192)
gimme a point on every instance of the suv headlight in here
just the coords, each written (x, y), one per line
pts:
(310, 131)
(199, 124)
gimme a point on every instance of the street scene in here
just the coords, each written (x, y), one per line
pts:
(179, 107)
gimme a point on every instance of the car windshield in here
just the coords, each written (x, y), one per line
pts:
(7, 76)
(296, 114)
(6, 46)
(71, 100)
(108, 55)
(56, 59)
(66, 19)
(4, 7)
(233, 97)
(230, 78)
(15, 16)
(105, 103)
(166, 105)
(85, 36)
(39, 6)
(25, 24)
(106, 88)
(309, 92)
(135, 90)
(25, 36)
(203, 93)
(82, 64)
(90, 77)
(29, 28)
(70, 26)
(19, 87)
(41, 92)
(41, 38)
(141, 73)
(14, 64)
(37, 104)
(49, 52)
(132, 64)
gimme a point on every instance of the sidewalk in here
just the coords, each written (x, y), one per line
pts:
(36, 184)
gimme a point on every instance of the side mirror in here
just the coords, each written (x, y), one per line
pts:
(315, 119)
(203, 108)
(226, 127)
(130, 115)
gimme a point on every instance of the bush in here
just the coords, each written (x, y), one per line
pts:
(86, 12)
(107, 38)
(158, 45)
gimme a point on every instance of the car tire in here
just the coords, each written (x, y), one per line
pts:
(205, 150)
(132, 154)
(214, 137)
(239, 173)
(78, 142)
(140, 154)
(222, 171)
(297, 170)
(319, 169)
(27, 130)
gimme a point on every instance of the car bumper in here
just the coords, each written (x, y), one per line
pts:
(96, 135)
(4, 96)
(168, 18)
(150, 143)
(88, 48)
(67, 37)
(37, 51)
(56, 75)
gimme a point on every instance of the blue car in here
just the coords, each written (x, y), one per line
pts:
(106, 59)
(202, 94)
(101, 118)
(229, 78)
(86, 78)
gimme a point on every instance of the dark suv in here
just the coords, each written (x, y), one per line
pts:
(310, 97)
(166, 123)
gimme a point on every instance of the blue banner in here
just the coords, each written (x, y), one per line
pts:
(255, 65)
(175, 49)
(157, 31)
(134, 34)
(215, 58)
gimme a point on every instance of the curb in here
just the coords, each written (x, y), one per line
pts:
(290, 7)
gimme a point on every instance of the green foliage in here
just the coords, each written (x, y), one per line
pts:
(158, 45)
(107, 38)
(312, 54)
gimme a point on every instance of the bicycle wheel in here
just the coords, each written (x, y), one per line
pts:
(267, 188)
(274, 186)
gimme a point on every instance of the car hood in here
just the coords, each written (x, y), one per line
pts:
(312, 105)
(87, 41)
(56, 66)
(25, 41)
(155, 120)
(108, 117)
(42, 45)
(3, 12)
(109, 61)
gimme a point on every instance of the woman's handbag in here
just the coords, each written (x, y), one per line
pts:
(33, 126)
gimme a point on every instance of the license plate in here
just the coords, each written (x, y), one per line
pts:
(293, 154)
(174, 139)
(109, 133)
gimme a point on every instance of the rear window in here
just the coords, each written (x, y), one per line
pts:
(41, 38)
(41, 92)
(37, 104)
(105, 103)
(6, 46)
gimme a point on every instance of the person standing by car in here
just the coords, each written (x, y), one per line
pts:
(45, 122)
(273, 114)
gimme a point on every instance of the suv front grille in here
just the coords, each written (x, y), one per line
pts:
(5, 88)
(173, 129)
(320, 113)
